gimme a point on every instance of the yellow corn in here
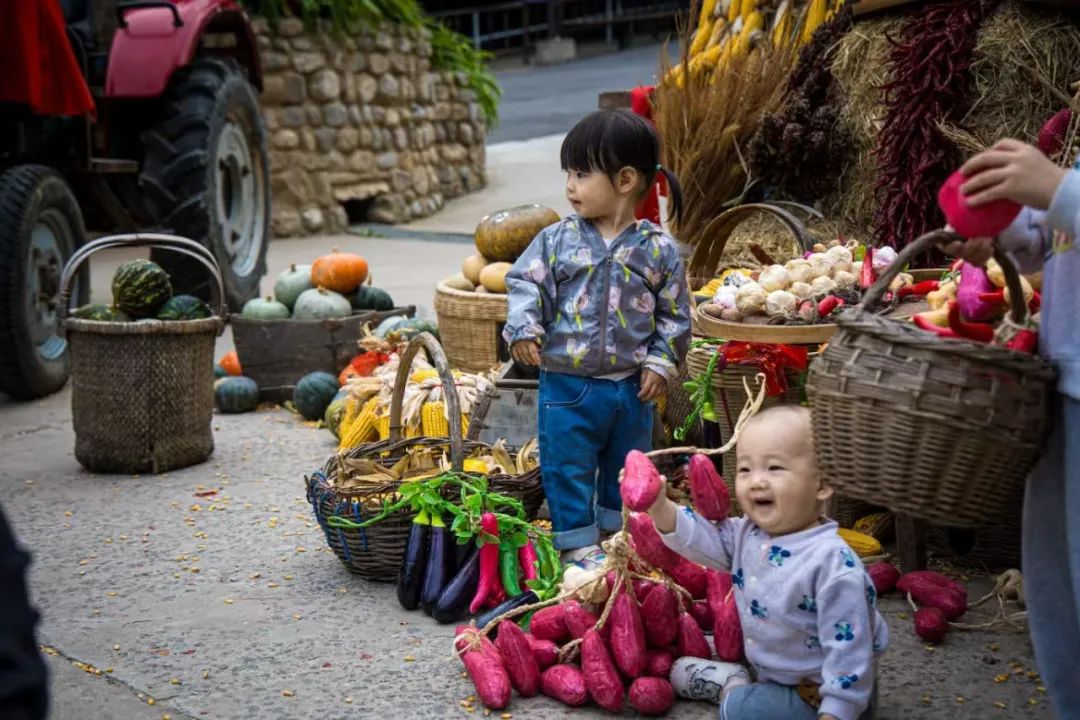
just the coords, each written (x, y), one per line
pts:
(706, 59)
(782, 27)
(750, 25)
(746, 9)
(361, 429)
(474, 465)
(708, 8)
(815, 16)
(735, 9)
(868, 523)
(701, 37)
(718, 29)
(863, 545)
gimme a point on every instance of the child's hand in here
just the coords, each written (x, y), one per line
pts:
(663, 510)
(653, 386)
(1011, 170)
(526, 352)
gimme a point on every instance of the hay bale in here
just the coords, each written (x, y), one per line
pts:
(1024, 63)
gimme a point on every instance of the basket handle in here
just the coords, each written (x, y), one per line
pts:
(707, 254)
(453, 402)
(155, 240)
(873, 297)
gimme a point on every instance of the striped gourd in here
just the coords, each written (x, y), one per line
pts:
(140, 287)
(103, 313)
(184, 307)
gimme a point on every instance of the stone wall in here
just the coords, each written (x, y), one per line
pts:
(363, 117)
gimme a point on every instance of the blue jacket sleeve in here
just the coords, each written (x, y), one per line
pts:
(702, 542)
(1030, 236)
(846, 631)
(530, 288)
(672, 337)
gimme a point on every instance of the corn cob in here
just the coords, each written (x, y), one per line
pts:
(742, 45)
(746, 9)
(735, 9)
(701, 37)
(717, 33)
(863, 545)
(815, 16)
(708, 9)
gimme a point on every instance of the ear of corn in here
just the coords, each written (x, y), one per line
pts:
(747, 8)
(815, 16)
(361, 428)
(863, 545)
(718, 29)
(735, 9)
(701, 37)
(708, 9)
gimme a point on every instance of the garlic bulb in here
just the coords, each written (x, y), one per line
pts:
(844, 279)
(799, 271)
(780, 303)
(725, 297)
(840, 266)
(801, 290)
(750, 299)
(820, 265)
(774, 277)
(839, 254)
(823, 286)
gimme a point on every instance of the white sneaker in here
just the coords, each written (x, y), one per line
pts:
(588, 558)
(696, 679)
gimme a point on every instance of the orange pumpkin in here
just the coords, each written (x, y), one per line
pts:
(503, 235)
(231, 363)
(339, 271)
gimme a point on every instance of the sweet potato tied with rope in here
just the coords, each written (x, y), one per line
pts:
(518, 658)
(601, 678)
(651, 695)
(566, 684)
(649, 545)
(707, 489)
(485, 668)
(641, 482)
(627, 636)
(932, 589)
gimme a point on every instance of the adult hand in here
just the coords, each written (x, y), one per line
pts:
(1011, 170)
(653, 385)
(526, 352)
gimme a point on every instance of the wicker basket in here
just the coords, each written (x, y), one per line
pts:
(470, 325)
(941, 429)
(375, 553)
(142, 395)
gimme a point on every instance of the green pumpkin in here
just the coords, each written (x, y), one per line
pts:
(140, 287)
(184, 307)
(236, 394)
(335, 411)
(314, 393)
(387, 325)
(265, 309)
(220, 372)
(321, 304)
(105, 313)
(410, 328)
(371, 298)
(291, 283)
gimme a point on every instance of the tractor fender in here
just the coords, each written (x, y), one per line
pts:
(145, 54)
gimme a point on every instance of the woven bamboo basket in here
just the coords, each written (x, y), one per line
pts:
(374, 553)
(470, 325)
(941, 429)
(142, 395)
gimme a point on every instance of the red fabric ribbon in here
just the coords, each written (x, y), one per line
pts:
(40, 69)
(772, 360)
(648, 208)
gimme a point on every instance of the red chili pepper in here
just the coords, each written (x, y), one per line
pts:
(866, 273)
(979, 332)
(998, 297)
(924, 324)
(828, 304)
(528, 560)
(1025, 341)
(1035, 303)
(490, 588)
(920, 289)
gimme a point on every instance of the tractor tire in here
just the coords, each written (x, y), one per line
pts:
(40, 228)
(206, 176)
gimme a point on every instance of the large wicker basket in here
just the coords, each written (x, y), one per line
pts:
(142, 396)
(942, 429)
(374, 553)
(470, 325)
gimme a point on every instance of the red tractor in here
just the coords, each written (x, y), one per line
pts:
(150, 122)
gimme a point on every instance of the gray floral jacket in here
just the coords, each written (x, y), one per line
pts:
(597, 310)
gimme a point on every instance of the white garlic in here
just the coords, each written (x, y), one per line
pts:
(823, 286)
(750, 299)
(774, 277)
(780, 303)
(801, 290)
(844, 279)
(725, 297)
(839, 254)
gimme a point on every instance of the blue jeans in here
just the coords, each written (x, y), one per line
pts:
(771, 701)
(586, 428)
(1051, 561)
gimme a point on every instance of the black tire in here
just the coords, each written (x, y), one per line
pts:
(190, 183)
(34, 361)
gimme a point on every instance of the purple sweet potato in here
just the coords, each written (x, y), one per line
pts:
(566, 684)
(648, 544)
(549, 624)
(641, 482)
(703, 614)
(518, 659)
(658, 662)
(578, 619)
(545, 652)
(691, 641)
(884, 575)
(651, 695)
(659, 613)
(931, 624)
(711, 497)
(691, 576)
(627, 638)
(601, 678)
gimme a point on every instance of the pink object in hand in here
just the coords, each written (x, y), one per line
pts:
(983, 221)
(1053, 133)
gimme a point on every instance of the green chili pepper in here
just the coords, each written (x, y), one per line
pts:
(508, 570)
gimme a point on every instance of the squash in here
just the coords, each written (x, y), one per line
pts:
(481, 290)
(219, 372)
(460, 282)
(184, 307)
(493, 277)
(387, 325)
(140, 287)
(290, 283)
(314, 393)
(265, 309)
(231, 362)
(472, 266)
(335, 411)
(504, 235)
(371, 298)
(320, 303)
(338, 271)
(236, 395)
(103, 313)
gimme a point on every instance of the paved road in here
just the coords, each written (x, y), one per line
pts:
(540, 101)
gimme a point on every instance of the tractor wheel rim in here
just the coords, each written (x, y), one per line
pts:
(241, 199)
(45, 262)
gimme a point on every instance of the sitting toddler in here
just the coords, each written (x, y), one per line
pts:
(811, 631)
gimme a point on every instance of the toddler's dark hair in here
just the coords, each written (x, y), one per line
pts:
(609, 140)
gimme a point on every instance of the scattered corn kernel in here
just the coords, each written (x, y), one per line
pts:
(348, 701)
(228, 601)
(273, 585)
(960, 700)
(288, 693)
(174, 681)
(150, 701)
(205, 674)
(999, 704)
(1001, 678)
(115, 647)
